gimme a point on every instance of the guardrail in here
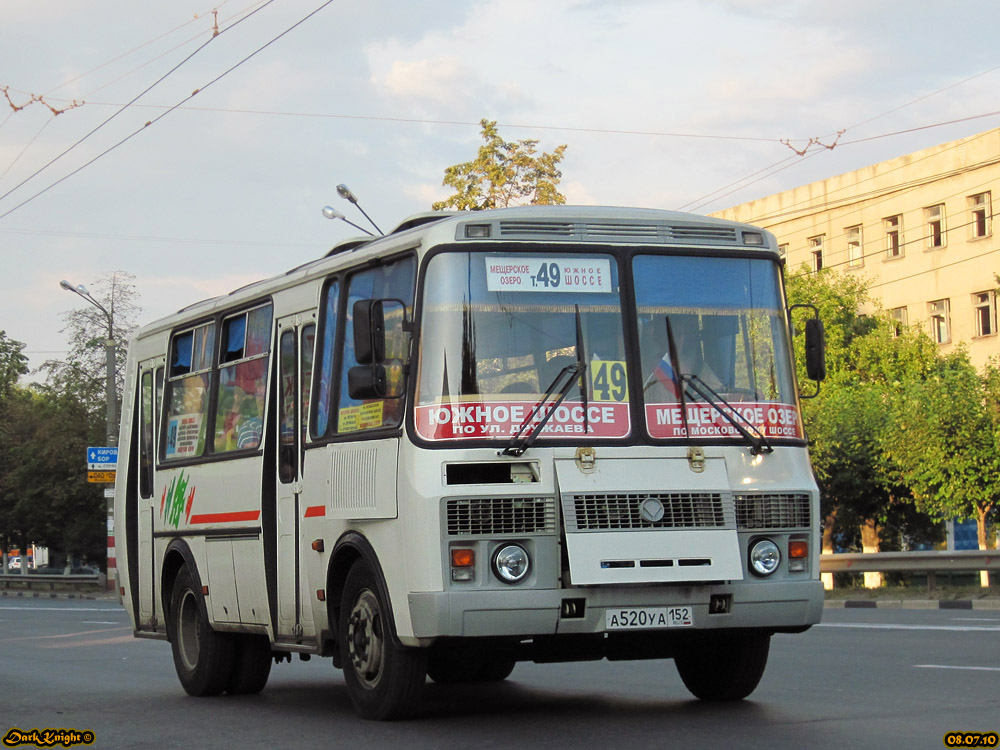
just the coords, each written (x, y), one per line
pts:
(931, 562)
(33, 581)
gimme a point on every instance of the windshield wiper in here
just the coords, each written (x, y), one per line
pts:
(753, 436)
(517, 446)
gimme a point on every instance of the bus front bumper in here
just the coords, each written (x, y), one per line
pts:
(789, 606)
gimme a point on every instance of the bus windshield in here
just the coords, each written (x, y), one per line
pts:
(499, 327)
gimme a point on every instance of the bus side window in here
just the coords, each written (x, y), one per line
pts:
(187, 386)
(146, 405)
(391, 281)
(306, 373)
(239, 418)
(320, 421)
(288, 390)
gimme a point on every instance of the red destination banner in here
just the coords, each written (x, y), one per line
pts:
(475, 420)
(703, 420)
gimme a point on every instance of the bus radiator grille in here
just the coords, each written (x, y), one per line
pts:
(624, 511)
(500, 516)
(773, 510)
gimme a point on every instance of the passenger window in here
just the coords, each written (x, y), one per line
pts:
(187, 385)
(239, 417)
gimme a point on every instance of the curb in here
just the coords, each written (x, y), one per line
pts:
(966, 604)
(50, 595)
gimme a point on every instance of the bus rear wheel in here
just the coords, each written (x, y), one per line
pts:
(383, 678)
(203, 658)
(251, 664)
(723, 667)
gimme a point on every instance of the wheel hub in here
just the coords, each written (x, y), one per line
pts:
(365, 639)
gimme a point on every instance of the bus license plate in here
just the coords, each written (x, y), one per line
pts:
(648, 617)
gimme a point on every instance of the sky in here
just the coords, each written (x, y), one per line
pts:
(690, 105)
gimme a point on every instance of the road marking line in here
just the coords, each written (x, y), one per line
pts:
(888, 626)
(948, 666)
(65, 609)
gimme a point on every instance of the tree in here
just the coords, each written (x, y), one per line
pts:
(504, 174)
(83, 374)
(947, 443)
(851, 422)
(44, 494)
(13, 364)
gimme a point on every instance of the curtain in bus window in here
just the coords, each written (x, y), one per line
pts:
(392, 281)
(239, 418)
(308, 342)
(188, 379)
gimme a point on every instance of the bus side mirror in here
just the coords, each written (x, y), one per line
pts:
(815, 349)
(369, 332)
(367, 381)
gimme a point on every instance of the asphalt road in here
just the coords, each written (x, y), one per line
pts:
(862, 679)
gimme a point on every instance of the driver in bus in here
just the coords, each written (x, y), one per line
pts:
(661, 384)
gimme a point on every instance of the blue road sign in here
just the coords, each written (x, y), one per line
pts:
(102, 459)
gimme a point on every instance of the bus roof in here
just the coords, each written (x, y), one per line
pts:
(606, 225)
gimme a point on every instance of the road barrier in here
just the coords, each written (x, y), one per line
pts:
(53, 581)
(931, 562)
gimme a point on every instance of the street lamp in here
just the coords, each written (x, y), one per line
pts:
(111, 400)
(111, 405)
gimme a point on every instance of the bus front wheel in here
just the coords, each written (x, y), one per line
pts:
(383, 678)
(203, 658)
(723, 667)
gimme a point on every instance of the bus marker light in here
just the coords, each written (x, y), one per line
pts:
(477, 231)
(798, 549)
(204, 590)
(463, 558)
(317, 545)
(321, 595)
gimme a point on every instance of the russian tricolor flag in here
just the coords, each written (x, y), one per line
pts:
(665, 374)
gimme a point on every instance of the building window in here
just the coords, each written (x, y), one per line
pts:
(935, 226)
(940, 321)
(985, 305)
(899, 319)
(893, 236)
(783, 251)
(816, 248)
(855, 247)
(981, 218)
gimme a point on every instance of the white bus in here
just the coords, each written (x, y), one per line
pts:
(540, 433)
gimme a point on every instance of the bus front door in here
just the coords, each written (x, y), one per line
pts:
(295, 351)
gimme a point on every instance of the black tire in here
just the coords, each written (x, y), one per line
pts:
(251, 664)
(723, 667)
(496, 669)
(383, 679)
(203, 658)
(450, 667)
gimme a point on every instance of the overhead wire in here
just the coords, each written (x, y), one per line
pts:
(176, 106)
(117, 113)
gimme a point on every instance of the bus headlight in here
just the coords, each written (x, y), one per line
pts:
(764, 557)
(511, 563)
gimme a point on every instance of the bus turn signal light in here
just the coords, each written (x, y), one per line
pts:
(798, 550)
(463, 558)
(463, 564)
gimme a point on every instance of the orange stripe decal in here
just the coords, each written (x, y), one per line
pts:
(243, 515)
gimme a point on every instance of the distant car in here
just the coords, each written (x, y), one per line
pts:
(14, 563)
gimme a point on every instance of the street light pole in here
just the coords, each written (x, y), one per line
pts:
(111, 405)
(110, 394)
